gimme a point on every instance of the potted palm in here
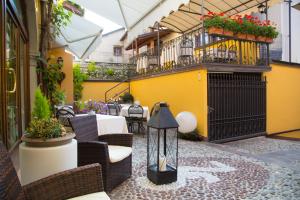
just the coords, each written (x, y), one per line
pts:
(44, 130)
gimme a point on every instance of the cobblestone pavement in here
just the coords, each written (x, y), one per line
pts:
(257, 168)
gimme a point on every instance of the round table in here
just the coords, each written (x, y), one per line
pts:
(40, 162)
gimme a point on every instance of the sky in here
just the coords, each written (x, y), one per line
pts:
(106, 24)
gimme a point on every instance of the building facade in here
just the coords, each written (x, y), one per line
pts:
(111, 49)
(18, 44)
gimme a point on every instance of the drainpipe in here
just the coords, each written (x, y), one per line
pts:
(290, 29)
(268, 45)
(290, 32)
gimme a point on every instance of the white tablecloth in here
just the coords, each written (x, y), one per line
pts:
(108, 124)
(124, 111)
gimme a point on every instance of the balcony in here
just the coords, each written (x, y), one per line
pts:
(216, 53)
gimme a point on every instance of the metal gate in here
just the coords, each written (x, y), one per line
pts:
(237, 106)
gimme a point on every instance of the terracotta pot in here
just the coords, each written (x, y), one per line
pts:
(261, 38)
(241, 36)
(250, 37)
(39, 142)
(269, 40)
(215, 31)
(228, 33)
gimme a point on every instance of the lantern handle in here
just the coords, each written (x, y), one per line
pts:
(154, 108)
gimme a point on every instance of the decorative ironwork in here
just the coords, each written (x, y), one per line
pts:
(237, 105)
(187, 51)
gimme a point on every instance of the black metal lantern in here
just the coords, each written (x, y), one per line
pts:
(261, 8)
(60, 61)
(162, 146)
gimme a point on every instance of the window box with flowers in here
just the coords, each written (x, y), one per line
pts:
(217, 24)
(244, 28)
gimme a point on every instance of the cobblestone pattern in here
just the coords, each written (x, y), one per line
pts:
(262, 145)
(251, 178)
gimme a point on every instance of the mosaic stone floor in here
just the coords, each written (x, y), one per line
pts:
(235, 170)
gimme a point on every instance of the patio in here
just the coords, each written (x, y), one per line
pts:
(166, 115)
(257, 168)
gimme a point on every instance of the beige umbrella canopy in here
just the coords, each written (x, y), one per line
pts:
(80, 37)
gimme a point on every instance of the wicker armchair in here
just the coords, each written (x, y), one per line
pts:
(112, 151)
(64, 185)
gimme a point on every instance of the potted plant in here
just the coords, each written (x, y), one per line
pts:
(43, 130)
(239, 30)
(214, 24)
(270, 33)
(229, 27)
(127, 98)
(91, 107)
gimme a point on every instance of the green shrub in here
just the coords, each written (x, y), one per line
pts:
(78, 79)
(91, 70)
(45, 129)
(41, 109)
(110, 72)
(42, 125)
(127, 98)
(58, 97)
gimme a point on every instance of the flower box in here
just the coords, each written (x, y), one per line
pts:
(215, 31)
(250, 37)
(261, 38)
(228, 33)
(269, 40)
(241, 36)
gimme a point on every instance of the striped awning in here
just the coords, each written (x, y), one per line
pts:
(188, 16)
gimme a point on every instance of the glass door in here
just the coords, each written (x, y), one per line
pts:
(11, 73)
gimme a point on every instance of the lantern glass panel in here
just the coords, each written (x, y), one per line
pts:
(162, 148)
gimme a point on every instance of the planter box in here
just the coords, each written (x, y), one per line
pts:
(241, 36)
(39, 142)
(215, 31)
(261, 39)
(250, 37)
(269, 40)
(228, 33)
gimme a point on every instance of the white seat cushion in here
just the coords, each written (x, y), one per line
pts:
(118, 153)
(93, 196)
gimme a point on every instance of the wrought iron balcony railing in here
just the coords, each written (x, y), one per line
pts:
(188, 51)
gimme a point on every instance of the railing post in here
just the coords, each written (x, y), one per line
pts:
(268, 47)
(203, 30)
(240, 52)
(158, 46)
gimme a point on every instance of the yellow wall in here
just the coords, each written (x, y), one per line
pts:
(96, 90)
(67, 84)
(283, 98)
(185, 91)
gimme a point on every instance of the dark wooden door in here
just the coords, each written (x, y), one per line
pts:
(237, 106)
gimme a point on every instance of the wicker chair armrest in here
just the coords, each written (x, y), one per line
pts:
(121, 139)
(68, 184)
(93, 152)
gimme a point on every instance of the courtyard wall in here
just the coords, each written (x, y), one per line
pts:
(283, 98)
(186, 91)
